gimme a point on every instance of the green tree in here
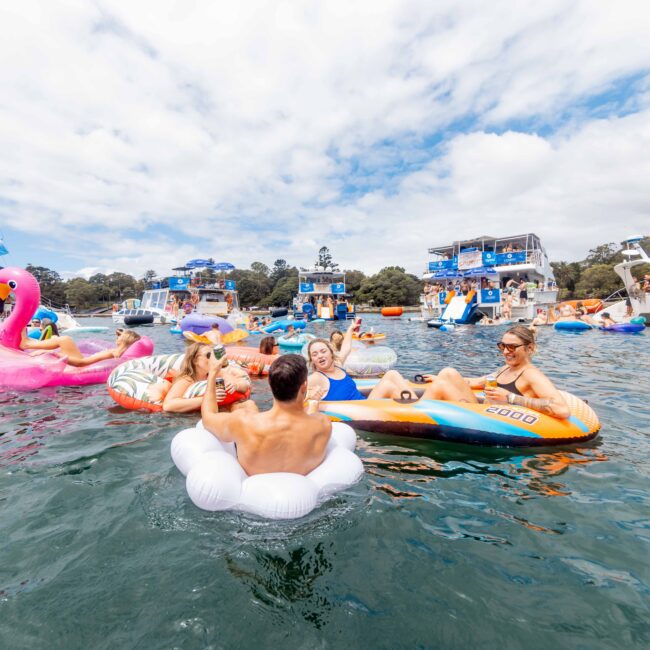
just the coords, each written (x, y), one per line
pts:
(604, 254)
(324, 260)
(80, 294)
(283, 292)
(148, 277)
(280, 270)
(252, 287)
(51, 283)
(598, 281)
(567, 276)
(260, 268)
(353, 281)
(391, 286)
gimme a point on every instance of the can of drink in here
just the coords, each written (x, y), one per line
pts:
(491, 381)
(219, 351)
(220, 383)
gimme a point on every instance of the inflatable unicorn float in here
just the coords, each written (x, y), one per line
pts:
(22, 370)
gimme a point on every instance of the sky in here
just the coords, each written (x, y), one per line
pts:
(137, 136)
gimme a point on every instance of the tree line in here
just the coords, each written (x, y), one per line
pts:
(258, 285)
(264, 286)
(594, 277)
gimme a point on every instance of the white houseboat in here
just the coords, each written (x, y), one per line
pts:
(469, 279)
(322, 294)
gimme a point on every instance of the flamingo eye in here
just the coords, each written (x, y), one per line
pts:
(12, 284)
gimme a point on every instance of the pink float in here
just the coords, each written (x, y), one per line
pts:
(22, 370)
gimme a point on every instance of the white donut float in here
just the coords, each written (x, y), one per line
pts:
(216, 481)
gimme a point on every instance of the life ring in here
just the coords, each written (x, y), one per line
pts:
(216, 481)
(482, 424)
(251, 359)
(392, 311)
(366, 361)
(142, 383)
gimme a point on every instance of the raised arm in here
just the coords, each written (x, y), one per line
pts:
(215, 422)
(346, 346)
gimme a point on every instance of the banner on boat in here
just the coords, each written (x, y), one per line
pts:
(338, 287)
(306, 287)
(179, 284)
(470, 260)
(231, 285)
(512, 258)
(490, 296)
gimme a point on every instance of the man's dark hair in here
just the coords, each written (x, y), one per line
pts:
(286, 375)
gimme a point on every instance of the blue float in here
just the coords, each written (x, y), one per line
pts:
(284, 325)
(624, 328)
(572, 325)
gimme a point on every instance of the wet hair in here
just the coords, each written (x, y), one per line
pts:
(336, 339)
(192, 353)
(267, 344)
(325, 342)
(214, 326)
(605, 314)
(286, 375)
(525, 335)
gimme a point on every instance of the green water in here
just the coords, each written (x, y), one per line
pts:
(439, 545)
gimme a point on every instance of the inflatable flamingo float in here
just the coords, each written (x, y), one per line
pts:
(22, 370)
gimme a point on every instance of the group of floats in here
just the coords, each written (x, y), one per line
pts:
(215, 480)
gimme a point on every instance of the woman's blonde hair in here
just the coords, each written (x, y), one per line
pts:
(129, 337)
(326, 343)
(192, 353)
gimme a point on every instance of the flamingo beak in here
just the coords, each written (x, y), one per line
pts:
(5, 290)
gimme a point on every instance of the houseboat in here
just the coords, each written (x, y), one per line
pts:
(470, 279)
(322, 294)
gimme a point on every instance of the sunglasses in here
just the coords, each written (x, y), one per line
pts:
(511, 347)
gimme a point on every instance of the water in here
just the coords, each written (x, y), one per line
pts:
(439, 546)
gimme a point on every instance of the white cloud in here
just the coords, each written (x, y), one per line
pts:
(240, 126)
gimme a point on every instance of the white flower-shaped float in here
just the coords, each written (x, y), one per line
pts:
(216, 481)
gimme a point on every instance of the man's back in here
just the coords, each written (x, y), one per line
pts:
(280, 441)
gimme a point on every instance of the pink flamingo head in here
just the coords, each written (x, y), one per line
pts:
(27, 295)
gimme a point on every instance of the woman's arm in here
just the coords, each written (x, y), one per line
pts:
(546, 399)
(346, 345)
(175, 402)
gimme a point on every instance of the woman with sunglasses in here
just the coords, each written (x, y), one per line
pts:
(519, 382)
(195, 368)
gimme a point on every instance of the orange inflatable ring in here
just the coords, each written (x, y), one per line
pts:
(251, 359)
(143, 383)
(391, 311)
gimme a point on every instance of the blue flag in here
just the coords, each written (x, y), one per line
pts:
(3, 248)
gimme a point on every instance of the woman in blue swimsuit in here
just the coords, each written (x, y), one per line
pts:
(329, 382)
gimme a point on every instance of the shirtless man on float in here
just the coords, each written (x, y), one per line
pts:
(287, 438)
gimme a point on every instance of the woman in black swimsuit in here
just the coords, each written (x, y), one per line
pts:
(519, 382)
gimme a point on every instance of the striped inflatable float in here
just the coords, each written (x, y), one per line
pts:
(143, 383)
